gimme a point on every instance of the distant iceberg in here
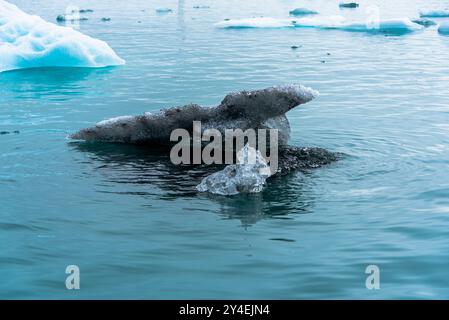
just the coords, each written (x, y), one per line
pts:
(434, 14)
(402, 25)
(350, 5)
(260, 22)
(28, 41)
(302, 12)
(444, 28)
(424, 22)
(163, 10)
(70, 17)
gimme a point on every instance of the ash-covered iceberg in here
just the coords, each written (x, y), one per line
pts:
(247, 176)
(257, 109)
(28, 41)
(402, 25)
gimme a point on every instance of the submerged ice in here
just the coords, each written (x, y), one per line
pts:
(28, 41)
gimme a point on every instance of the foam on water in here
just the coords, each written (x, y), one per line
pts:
(28, 41)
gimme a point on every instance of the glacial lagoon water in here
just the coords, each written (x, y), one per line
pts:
(135, 225)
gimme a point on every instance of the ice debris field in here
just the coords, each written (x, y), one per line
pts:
(28, 41)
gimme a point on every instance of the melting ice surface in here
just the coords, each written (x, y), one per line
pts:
(247, 176)
(323, 22)
(28, 41)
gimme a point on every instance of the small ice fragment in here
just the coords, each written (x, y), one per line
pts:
(248, 176)
(444, 28)
(263, 22)
(302, 12)
(424, 22)
(164, 10)
(349, 5)
(70, 17)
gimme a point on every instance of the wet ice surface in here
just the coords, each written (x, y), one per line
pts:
(247, 176)
(138, 229)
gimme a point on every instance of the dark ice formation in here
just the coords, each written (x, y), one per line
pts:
(258, 109)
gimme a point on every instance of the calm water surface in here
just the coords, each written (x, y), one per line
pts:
(134, 224)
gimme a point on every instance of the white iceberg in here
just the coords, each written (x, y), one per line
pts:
(302, 12)
(260, 22)
(394, 25)
(402, 25)
(28, 41)
(434, 14)
(444, 28)
(248, 176)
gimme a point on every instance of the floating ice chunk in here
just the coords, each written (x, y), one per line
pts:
(28, 41)
(262, 22)
(402, 25)
(70, 17)
(302, 12)
(324, 22)
(164, 10)
(444, 28)
(424, 22)
(434, 14)
(349, 5)
(248, 176)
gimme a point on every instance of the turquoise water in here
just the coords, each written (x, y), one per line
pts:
(134, 224)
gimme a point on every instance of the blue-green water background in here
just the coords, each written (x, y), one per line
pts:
(134, 225)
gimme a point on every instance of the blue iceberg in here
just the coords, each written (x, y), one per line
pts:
(163, 10)
(28, 41)
(444, 28)
(434, 14)
(302, 12)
